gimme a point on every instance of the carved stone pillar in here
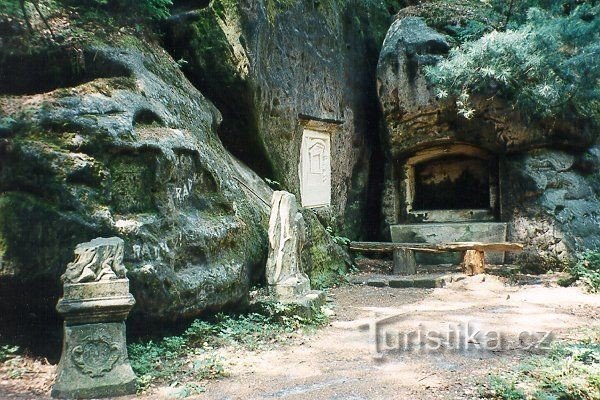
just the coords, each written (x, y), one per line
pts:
(94, 359)
(286, 238)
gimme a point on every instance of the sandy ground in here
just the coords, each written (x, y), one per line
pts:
(372, 348)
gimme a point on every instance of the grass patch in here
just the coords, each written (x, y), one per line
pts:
(568, 371)
(191, 357)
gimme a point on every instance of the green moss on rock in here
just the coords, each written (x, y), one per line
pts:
(37, 239)
(325, 262)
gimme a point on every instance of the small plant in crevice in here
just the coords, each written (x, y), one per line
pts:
(275, 185)
(340, 240)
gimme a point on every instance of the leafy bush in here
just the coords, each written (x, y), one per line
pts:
(569, 371)
(340, 240)
(587, 270)
(545, 68)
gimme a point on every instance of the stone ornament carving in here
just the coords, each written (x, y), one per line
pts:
(96, 355)
(98, 260)
(286, 239)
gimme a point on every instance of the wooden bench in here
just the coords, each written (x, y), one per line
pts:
(404, 253)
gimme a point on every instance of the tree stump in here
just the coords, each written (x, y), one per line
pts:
(404, 262)
(473, 262)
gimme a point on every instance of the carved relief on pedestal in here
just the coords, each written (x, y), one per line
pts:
(95, 304)
(315, 169)
(96, 355)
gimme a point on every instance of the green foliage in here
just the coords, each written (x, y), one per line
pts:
(190, 357)
(568, 371)
(587, 270)
(341, 240)
(137, 9)
(547, 68)
(7, 352)
(10, 7)
(274, 7)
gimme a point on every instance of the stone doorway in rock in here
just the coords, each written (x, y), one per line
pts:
(454, 183)
(450, 193)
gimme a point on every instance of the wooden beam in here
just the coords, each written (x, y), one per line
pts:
(435, 247)
(384, 247)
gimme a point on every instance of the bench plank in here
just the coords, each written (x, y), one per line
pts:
(435, 247)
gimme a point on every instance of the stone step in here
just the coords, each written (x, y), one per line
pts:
(422, 281)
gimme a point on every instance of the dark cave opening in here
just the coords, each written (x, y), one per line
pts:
(36, 72)
(452, 183)
(222, 85)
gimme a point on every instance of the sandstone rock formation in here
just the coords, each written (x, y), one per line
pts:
(107, 137)
(544, 182)
(128, 149)
(271, 66)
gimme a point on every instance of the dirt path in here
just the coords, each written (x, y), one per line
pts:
(341, 361)
(338, 362)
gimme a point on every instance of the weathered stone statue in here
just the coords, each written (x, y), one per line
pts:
(98, 260)
(286, 239)
(95, 304)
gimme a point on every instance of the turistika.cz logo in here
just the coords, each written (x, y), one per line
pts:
(394, 335)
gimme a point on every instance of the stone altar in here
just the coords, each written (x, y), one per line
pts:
(95, 304)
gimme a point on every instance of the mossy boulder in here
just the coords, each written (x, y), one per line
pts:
(128, 149)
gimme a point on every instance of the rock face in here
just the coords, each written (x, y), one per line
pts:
(128, 150)
(115, 141)
(543, 180)
(553, 204)
(409, 108)
(272, 67)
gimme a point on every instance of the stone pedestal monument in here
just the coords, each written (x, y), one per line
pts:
(95, 304)
(287, 235)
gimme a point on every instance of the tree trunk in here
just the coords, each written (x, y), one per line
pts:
(404, 262)
(473, 262)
